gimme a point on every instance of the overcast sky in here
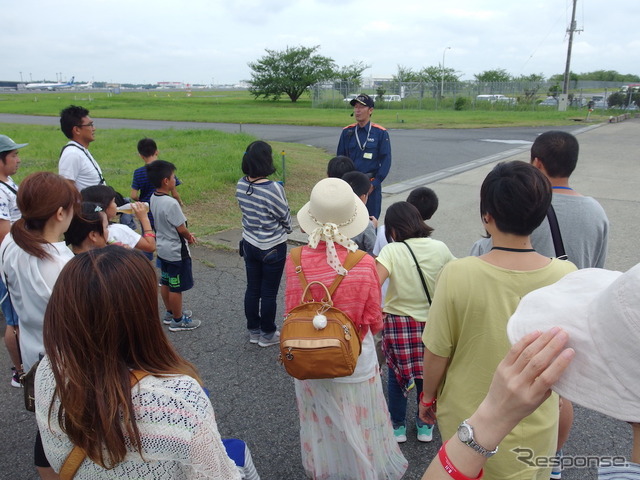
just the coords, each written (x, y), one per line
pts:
(211, 41)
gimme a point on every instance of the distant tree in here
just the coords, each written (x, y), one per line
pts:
(349, 77)
(289, 72)
(554, 90)
(434, 75)
(497, 75)
(406, 75)
(534, 82)
(533, 77)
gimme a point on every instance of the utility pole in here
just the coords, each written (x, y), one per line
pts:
(570, 30)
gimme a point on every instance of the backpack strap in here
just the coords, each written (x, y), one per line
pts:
(296, 258)
(556, 236)
(77, 455)
(351, 261)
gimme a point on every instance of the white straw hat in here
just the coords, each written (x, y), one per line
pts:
(600, 310)
(333, 201)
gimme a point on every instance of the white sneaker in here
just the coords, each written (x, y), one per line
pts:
(267, 342)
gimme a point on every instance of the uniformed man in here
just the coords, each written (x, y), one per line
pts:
(368, 145)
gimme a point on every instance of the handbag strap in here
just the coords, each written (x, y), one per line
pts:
(15, 192)
(424, 282)
(558, 244)
(77, 455)
(351, 261)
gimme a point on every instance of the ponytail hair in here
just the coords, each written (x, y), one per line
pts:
(40, 196)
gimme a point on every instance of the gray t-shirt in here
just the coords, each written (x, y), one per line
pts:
(168, 216)
(584, 227)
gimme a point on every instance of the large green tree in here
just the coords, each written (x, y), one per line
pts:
(289, 72)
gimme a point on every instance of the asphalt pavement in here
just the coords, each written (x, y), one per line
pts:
(252, 395)
(417, 154)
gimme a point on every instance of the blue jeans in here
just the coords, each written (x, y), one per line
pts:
(264, 272)
(398, 402)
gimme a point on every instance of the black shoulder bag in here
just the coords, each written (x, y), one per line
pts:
(424, 282)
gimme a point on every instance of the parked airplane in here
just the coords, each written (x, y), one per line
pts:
(84, 85)
(49, 86)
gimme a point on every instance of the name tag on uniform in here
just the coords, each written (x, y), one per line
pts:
(368, 155)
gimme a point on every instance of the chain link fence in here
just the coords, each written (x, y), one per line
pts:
(460, 95)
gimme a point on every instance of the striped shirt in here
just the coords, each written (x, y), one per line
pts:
(266, 219)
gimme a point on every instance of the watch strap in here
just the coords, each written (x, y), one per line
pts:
(472, 441)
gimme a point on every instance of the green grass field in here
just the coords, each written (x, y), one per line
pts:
(208, 161)
(208, 164)
(240, 107)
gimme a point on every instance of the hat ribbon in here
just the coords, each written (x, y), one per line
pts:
(331, 235)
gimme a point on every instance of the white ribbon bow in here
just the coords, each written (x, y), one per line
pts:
(331, 235)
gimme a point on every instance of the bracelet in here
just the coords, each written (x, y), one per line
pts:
(450, 468)
(153, 235)
(425, 404)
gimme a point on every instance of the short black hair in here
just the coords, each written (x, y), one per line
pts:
(338, 166)
(358, 181)
(102, 195)
(403, 221)
(158, 170)
(558, 151)
(4, 155)
(425, 200)
(83, 223)
(147, 147)
(257, 160)
(71, 117)
(517, 195)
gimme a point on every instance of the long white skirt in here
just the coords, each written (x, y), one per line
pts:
(346, 432)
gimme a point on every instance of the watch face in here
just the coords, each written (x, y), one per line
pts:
(464, 433)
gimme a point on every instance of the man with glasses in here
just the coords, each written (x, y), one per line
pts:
(76, 162)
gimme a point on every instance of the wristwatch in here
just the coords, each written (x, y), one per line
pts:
(465, 435)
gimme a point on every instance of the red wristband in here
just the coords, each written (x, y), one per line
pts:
(153, 235)
(450, 468)
(425, 404)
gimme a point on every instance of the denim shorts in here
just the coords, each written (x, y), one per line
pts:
(8, 311)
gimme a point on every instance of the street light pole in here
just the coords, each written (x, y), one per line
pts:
(442, 77)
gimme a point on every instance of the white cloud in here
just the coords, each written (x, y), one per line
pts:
(197, 40)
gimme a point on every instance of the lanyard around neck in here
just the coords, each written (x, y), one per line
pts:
(362, 147)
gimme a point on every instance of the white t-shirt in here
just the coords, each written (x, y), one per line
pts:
(76, 163)
(31, 281)
(119, 233)
(8, 201)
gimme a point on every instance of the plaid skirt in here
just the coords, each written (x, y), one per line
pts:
(403, 348)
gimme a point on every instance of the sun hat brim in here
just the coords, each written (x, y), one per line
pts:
(351, 215)
(585, 304)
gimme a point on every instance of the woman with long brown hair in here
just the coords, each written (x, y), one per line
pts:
(101, 324)
(32, 257)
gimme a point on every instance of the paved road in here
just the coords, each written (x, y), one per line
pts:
(416, 153)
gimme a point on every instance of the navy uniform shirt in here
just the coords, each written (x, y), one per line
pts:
(373, 155)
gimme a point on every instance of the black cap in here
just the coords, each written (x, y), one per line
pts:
(363, 99)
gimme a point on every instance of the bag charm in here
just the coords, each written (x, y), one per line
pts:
(320, 320)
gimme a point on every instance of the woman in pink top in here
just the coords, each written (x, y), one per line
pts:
(345, 430)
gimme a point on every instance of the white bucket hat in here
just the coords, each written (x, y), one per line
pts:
(333, 214)
(600, 310)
